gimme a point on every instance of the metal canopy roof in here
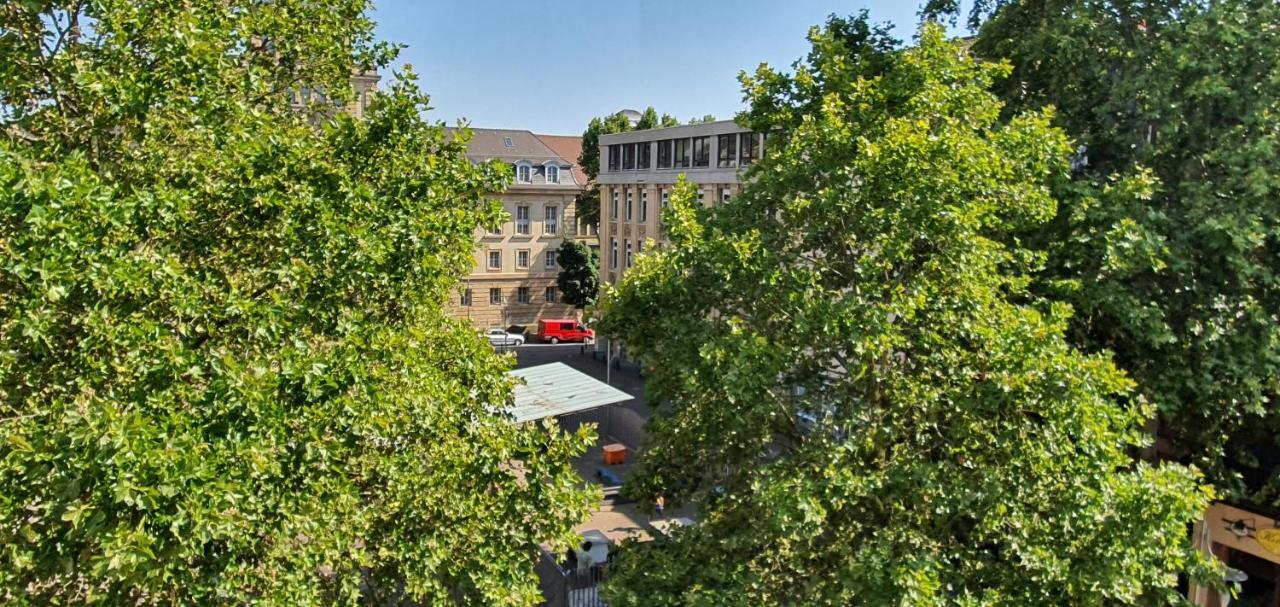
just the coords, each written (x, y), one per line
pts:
(558, 389)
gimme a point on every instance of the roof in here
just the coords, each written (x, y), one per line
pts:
(568, 147)
(558, 389)
(491, 144)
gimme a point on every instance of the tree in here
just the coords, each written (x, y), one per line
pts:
(1183, 284)
(579, 278)
(856, 391)
(588, 202)
(703, 119)
(226, 373)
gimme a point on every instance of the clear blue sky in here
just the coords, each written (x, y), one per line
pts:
(550, 65)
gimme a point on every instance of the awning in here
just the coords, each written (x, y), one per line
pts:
(558, 389)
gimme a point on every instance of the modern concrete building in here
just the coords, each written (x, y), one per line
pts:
(638, 169)
(514, 280)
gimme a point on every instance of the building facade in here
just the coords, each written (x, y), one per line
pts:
(638, 170)
(513, 282)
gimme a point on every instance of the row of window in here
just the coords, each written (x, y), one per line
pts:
(522, 259)
(732, 150)
(630, 259)
(644, 203)
(549, 295)
(525, 172)
(523, 223)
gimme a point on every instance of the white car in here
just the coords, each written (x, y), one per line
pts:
(499, 337)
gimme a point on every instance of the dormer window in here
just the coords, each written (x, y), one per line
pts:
(524, 173)
(506, 141)
(553, 174)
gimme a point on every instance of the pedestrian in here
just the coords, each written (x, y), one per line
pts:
(660, 505)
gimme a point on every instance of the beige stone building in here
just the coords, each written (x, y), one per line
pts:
(638, 170)
(514, 279)
(365, 83)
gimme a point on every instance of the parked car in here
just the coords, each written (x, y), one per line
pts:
(556, 331)
(500, 337)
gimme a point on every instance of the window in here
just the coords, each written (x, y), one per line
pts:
(550, 294)
(465, 300)
(644, 207)
(524, 173)
(550, 260)
(629, 157)
(724, 195)
(522, 219)
(643, 151)
(506, 141)
(613, 253)
(748, 150)
(727, 154)
(629, 258)
(681, 158)
(495, 230)
(495, 297)
(522, 259)
(522, 295)
(701, 193)
(615, 157)
(550, 219)
(666, 197)
(701, 151)
(639, 247)
(630, 205)
(553, 174)
(664, 154)
(613, 211)
(495, 260)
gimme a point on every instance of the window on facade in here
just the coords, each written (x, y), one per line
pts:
(553, 174)
(629, 157)
(644, 207)
(522, 295)
(664, 154)
(615, 157)
(550, 219)
(666, 197)
(613, 210)
(727, 154)
(643, 151)
(522, 219)
(639, 247)
(495, 260)
(550, 295)
(701, 151)
(524, 173)
(465, 300)
(630, 205)
(748, 150)
(613, 253)
(681, 158)
(629, 257)
(495, 230)
(701, 194)
(522, 259)
(724, 195)
(495, 297)
(550, 259)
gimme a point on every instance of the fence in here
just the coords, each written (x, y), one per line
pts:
(572, 588)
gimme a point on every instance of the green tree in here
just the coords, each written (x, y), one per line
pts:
(579, 278)
(704, 118)
(588, 202)
(856, 392)
(226, 373)
(1183, 284)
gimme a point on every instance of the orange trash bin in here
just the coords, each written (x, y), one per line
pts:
(615, 454)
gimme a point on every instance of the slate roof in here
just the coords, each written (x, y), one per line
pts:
(568, 147)
(491, 144)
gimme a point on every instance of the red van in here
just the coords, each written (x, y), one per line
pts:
(556, 331)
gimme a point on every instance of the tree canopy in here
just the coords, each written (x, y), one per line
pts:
(1183, 283)
(855, 388)
(226, 372)
(579, 277)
